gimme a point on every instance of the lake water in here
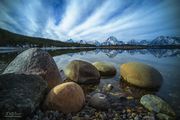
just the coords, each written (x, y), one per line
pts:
(167, 61)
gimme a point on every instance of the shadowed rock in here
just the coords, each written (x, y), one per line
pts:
(20, 94)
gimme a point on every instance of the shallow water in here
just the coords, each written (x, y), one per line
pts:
(164, 60)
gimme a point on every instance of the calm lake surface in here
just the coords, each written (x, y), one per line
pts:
(167, 61)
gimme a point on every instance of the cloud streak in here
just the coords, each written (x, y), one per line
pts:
(91, 19)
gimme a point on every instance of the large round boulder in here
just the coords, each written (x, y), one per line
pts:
(67, 97)
(20, 94)
(105, 68)
(37, 62)
(82, 72)
(99, 101)
(156, 104)
(141, 75)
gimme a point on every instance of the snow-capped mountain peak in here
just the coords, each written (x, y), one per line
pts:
(166, 40)
(70, 41)
(82, 42)
(112, 41)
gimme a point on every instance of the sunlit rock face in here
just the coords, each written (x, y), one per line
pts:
(21, 93)
(82, 72)
(67, 97)
(37, 62)
(105, 68)
(141, 75)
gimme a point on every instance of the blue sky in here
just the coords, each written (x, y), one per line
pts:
(91, 19)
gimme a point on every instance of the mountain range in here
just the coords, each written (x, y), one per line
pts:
(166, 40)
(16, 40)
(161, 40)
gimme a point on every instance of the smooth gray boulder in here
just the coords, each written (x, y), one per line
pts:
(37, 62)
(99, 101)
(20, 94)
(82, 72)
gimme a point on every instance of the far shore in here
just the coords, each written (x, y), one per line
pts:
(98, 47)
(123, 47)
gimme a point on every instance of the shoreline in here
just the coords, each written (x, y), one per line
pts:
(100, 47)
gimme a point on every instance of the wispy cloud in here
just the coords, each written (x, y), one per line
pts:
(91, 19)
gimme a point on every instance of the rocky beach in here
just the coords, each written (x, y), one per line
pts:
(33, 87)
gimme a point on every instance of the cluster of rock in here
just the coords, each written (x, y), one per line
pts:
(32, 80)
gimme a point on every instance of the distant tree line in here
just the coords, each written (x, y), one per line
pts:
(9, 39)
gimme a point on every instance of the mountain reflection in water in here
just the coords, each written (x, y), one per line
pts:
(159, 53)
(155, 52)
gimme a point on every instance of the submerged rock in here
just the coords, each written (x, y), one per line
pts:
(105, 69)
(20, 94)
(67, 97)
(82, 72)
(37, 62)
(161, 116)
(99, 101)
(141, 75)
(156, 104)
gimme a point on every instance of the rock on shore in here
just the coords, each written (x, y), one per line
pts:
(141, 75)
(37, 62)
(82, 72)
(105, 69)
(20, 93)
(156, 104)
(99, 101)
(67, 97)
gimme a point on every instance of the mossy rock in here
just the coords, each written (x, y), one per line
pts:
(156, 104)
